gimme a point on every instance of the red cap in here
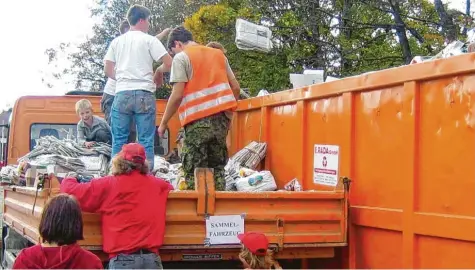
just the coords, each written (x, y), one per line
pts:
(133, 152)
(256, 242)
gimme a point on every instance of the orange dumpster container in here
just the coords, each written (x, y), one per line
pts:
(407, 141)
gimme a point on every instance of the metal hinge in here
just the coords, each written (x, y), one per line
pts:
(346, 183)
(280, 234)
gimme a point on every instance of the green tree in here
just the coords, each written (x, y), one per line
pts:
(342, 37)
(254, 70)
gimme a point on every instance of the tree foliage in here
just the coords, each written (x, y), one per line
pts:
(254, 70)
(342, 37)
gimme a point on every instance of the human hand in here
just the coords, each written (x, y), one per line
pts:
(164, 33)
(89, 144)
(161, 130)
(158, 78)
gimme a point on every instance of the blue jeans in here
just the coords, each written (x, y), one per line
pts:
(136, 261)
(135, 105)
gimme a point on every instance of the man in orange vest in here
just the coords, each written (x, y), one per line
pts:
(204, 88)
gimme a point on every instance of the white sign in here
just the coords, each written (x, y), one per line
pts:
(325, 164)
(224, 229)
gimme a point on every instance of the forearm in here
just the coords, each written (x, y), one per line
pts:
(161, 36)
(109, 69)
(110, 74)
(172, 107)
(163, 68)
(236, 88)
(89, 195)
(81, 138)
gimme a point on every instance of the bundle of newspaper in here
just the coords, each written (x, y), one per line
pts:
(50, 145)
(250, 36)
(251, 155)
(70, 156)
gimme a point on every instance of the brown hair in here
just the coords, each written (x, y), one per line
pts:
(137, 13)
(178, 34)
(253, 261)
(121, 166)
(61, 221)
(216, 45)
(124, 27)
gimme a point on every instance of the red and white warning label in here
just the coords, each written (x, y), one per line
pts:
(325, 164)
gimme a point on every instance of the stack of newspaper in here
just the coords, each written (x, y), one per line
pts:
(250, 36)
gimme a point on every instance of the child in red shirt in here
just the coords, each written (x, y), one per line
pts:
(60, 228)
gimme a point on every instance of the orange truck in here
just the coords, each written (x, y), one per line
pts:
(404, 136)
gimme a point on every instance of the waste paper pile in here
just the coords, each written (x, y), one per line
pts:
(9, 174)
(240, 171)
(172, 173)
(454, 48)
(65, 155)
(241, 174)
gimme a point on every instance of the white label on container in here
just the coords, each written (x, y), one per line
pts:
(325, 164)
(224, 229)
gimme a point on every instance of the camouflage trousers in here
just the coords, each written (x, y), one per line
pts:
(204, 146)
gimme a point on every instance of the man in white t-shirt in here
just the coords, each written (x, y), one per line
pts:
(109, 88)
(129, 61)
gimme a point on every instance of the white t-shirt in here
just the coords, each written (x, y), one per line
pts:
(133, 54)
(109, 88)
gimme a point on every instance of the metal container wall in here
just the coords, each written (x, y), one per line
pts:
(407, 141)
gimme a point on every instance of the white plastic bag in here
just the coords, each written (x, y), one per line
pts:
(250, 36)
(245, 172)
(254, 183)
(263, 92)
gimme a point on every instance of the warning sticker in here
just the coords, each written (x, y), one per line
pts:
(325, 164)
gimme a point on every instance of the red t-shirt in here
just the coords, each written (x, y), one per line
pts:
(63, 257)
(132, 209)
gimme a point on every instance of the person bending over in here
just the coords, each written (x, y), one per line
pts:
(132, 204)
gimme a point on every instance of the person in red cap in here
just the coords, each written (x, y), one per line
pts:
(255, 253)
(132, 204)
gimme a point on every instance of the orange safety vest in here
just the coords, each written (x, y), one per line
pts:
(208, 92)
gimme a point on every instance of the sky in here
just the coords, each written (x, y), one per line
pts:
(28, 32)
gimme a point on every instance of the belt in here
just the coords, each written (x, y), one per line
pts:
(143, 251)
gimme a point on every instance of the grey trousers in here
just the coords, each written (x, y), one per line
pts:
(136, 261)
(106, 107)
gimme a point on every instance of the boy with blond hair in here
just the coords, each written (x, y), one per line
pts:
(91, 128)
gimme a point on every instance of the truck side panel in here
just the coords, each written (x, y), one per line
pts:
(407, 141)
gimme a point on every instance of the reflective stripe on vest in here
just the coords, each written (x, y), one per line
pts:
(206, 105)
(205, 92)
